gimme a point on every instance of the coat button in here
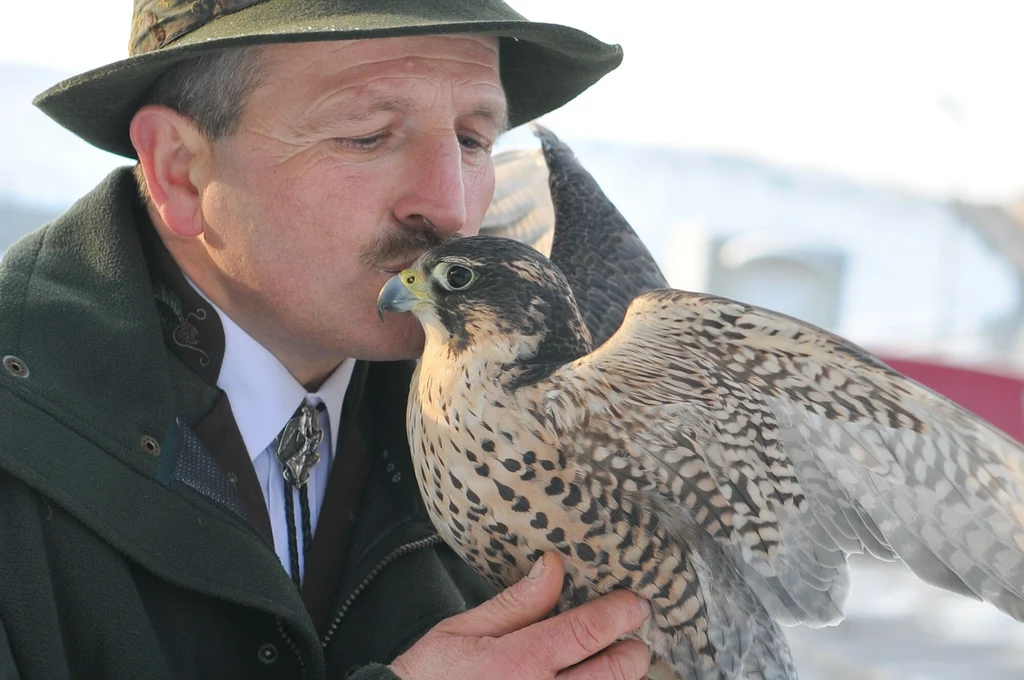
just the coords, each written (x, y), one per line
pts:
(267, 653)
(15, 366)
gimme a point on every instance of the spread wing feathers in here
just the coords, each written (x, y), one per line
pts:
(521, 208)
(792, 448)
(604, 261)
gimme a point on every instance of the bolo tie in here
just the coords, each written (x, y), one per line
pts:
(297, 450)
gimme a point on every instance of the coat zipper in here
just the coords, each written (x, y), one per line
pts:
(291, 644)
(400, 551)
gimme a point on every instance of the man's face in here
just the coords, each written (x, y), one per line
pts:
(351, 158)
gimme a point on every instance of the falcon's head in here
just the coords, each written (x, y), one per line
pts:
(495, 297)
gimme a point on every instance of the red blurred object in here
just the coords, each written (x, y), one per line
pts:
(999, 399)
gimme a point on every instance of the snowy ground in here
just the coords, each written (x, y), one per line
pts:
(897, 628)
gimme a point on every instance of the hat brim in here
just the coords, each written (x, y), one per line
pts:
(543, 66)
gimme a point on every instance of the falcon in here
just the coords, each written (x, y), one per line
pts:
(718, 459)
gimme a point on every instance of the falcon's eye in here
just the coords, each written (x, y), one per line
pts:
(456, 276)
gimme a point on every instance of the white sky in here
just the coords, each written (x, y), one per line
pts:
(925, 95)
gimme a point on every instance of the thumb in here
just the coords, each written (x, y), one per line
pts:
(521, 604)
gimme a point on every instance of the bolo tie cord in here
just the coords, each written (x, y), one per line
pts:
(307, 531)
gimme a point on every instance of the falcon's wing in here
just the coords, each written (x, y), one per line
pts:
(605, 262)
(521, 208)
(793, 447)
(552, 203)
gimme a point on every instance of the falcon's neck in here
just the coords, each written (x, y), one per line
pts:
(565, 341)
(510, 354)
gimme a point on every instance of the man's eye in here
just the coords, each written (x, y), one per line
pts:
(364, 143)
(473, 144)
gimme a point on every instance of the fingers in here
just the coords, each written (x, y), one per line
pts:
(626, 660)
(518, 606)
(509, 636)
(572, 636)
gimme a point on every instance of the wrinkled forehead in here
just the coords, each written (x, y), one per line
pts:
(466, 65)
(461, 51)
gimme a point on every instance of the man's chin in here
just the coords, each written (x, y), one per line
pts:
(400, 337)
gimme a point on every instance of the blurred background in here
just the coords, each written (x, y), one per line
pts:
(856, 164)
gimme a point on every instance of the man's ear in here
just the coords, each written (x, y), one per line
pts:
(175, 157)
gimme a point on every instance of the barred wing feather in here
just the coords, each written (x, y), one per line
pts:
(816, 449)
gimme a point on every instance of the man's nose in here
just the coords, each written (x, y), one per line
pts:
(434, 191)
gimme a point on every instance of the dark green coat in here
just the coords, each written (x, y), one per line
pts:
(110, 565)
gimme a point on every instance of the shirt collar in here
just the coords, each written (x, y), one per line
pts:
(263, 394)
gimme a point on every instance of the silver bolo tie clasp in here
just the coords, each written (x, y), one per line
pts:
(298, 444)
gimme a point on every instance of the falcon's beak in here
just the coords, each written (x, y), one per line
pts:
(403, 293)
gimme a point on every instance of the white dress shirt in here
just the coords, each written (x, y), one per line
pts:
(263, 397)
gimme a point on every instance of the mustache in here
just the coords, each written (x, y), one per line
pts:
(399, 244)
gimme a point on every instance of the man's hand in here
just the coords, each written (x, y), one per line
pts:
(508, 637)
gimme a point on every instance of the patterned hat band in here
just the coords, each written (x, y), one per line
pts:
(159, 22)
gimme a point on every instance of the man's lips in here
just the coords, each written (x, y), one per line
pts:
(392, 270)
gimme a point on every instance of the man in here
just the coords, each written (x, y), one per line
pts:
(203, 466)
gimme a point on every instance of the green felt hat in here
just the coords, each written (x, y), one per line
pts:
(543, 66)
